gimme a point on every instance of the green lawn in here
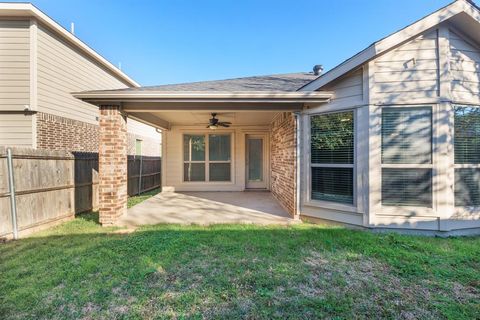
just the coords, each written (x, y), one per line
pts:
(81, 270)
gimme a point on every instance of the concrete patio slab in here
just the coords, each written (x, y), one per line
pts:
(205, 208)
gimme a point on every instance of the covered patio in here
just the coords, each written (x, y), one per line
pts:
(256, 151)
(206, 208)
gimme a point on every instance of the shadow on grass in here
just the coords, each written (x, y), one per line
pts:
(232, 271)
(92, 216)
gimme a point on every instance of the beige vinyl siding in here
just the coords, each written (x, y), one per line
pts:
(348, 90)
(15, 129)
(408, 72)
(63, 69)
(14, 65)
(464, 69)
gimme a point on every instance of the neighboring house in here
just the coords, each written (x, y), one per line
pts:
(388, 139)
(41, 64)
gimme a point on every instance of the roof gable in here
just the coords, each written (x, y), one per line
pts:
(458, 9)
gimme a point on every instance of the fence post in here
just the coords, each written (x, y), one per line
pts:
(11, 187)
(140, 175)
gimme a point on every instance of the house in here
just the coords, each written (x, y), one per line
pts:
(388, 139)
(41, 64)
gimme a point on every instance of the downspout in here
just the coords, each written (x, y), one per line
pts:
(298, 163)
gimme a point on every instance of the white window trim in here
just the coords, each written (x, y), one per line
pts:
(462, 210)
(410, 210)
(207, 155)
(307, 196)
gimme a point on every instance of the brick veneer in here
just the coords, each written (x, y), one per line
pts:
(283, 163)
(59, 133)
(112, 154)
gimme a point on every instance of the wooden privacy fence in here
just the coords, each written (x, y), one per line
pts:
(51, 186)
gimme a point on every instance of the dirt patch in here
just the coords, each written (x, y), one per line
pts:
(366, 285)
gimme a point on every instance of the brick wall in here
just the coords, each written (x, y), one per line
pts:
(59, 133)
(283, 165)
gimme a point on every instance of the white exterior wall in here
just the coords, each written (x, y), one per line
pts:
(437, 69)
(172, 163)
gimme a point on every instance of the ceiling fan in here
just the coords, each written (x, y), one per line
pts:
(214, 123)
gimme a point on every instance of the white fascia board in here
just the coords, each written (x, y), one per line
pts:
(159, 96)
(29, 10)
(394, 40)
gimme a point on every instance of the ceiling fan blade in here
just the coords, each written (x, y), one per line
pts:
(223, 124)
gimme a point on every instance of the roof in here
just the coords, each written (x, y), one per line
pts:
(29, 10)
(381, 46)
(274, 83)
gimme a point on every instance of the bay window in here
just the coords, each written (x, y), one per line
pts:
(200, 165)
(467, 156)
(332, 157)
(407, 156)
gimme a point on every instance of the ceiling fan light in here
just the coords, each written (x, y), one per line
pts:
(213, 127)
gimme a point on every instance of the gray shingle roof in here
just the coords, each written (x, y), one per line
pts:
(276, 82)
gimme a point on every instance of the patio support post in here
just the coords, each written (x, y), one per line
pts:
(112, 156)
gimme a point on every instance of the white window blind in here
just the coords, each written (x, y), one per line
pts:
(407, 135)
(407, 140)
(332, 157)
(467, 156)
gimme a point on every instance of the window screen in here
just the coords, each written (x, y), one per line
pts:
(332, 157)
(467, 187)
(407, 135)
(407, 187)
(219, 147)
(332, 138)
(467, 135)
(467, 156)
(332, 184)
(193, 147)
(194, 171)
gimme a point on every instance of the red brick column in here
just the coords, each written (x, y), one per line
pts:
(112, 154)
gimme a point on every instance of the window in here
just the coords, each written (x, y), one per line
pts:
(407, 156)
(219, 157)
(332, 157)
(138, 147)
(467, 156)
(214, 165)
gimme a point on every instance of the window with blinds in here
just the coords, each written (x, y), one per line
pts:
(407, 187)
(332, 157)
(467, 156)
(407, 135)
(406, 140)
(467, 187)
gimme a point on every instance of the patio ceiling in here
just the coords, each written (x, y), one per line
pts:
(156, 107)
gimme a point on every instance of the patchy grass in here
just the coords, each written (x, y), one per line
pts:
(132, 201)
(81, 270)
